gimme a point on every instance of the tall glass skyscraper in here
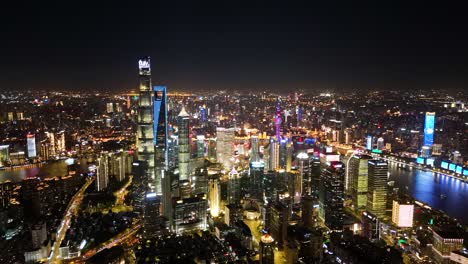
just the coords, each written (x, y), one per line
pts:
(429, 125)
(145, 121)
(184, 151)
(377, 187)
(160, 135)
(331, 195)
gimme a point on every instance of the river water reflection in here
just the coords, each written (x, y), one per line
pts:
(427, 187)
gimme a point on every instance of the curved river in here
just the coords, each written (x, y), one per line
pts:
(422, 185)
(426, 187)
(50, 169)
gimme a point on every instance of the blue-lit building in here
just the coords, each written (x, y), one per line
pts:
(160, 133)
(369, 140)
(429, 126)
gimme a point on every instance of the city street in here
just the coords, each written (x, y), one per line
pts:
(72, 210)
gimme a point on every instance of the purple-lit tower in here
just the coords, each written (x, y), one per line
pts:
(278, 120)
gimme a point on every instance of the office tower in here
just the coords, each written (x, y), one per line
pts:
(283, 153)
(233, 188)
(295, 185)
(331, 195)
(346, 159)
(308, 219)
(184, 152)
(4, 155)
(50, 138)
(145, 133)
(274, 154)
(172, 152)
(377, 187)
(212, 142)
(429, 126)
(160, 127)
(266, 158)
(200, 146)
(151, 220)
(256, 175)
(280, 215)
(224, 145)
(185, 189)
(369, 142)
(304, 167)
(214, 196)
(254, 153)
(109, 108)
(289, 153)
(270, 186)
(370, 226)
(166, 198)
(402, 213)
(31, 145)
(102, 172)
(278, 120)
(358, 170)
(316, 171)
(190, 214)
(200, 181)
(60, 143)
(266, 249)
(380, 143)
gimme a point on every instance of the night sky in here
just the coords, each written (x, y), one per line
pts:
(243, 45)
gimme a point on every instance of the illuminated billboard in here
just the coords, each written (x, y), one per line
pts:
(429, 125)
(444, 165)
(465, 172)
(420, 160)
(452, 167)
(430, 162)
(459, 169)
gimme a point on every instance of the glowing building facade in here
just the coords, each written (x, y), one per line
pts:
(184, 151)
(402, 214)
(429, 126)
(224, 145)
(145, 134)
(377, 187)
(31, 145)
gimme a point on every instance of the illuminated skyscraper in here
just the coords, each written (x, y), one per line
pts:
(266, 249)
(184, 152)
(233, 187)
(145, 134)
(224, 145)
(160, 135)
(331, 195)
(278, 120)
(254, 156)
(402, 213)
(31, 145)
(377, 185)
(214, 196)
(274, 154)
(102, 172)
(429, 125)
(358, 171)
(369, 142)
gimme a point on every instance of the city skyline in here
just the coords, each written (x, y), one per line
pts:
(210, 46)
